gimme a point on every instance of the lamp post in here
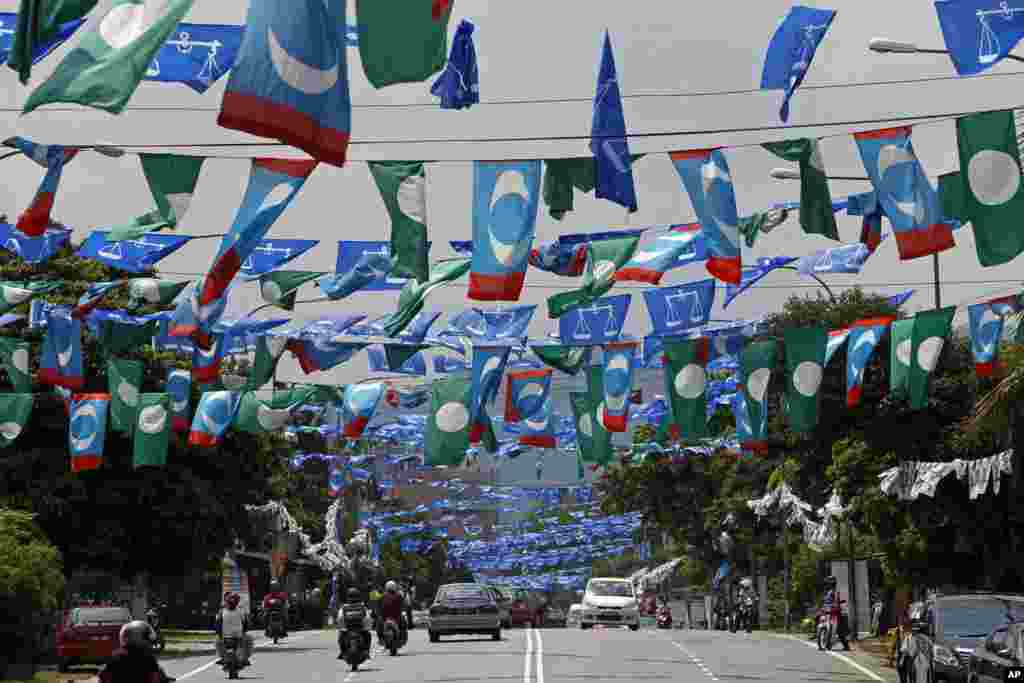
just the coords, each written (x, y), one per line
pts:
(885, 45)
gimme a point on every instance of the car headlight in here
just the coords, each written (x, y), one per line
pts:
(943, 655)
(588, 605)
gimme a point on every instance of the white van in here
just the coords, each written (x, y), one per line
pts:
(610, 601)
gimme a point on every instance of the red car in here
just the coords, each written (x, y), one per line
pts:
(527, 608)
(89, 635)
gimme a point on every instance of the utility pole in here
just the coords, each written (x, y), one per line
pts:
(938, 289)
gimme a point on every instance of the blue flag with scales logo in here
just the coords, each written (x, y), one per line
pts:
(270, 255)
(196, 55)
(134, 256)
(595, 323)
(979, 33)
(792, 49)
(678, 308)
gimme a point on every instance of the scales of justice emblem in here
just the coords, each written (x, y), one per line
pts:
(249, 265)
(211, 69)
(676, 309)
(115, 251)
(385, 250)
(988, 42)
(583, 330)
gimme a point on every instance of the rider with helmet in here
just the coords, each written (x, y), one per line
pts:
(353, 603)
(392, 606)
(231, 623)
(830, 601)
(276, 599)
(135, 661)
(747, 590)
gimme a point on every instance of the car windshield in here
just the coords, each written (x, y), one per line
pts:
(977, 618)
(101, 615)
(615, 589)
(462, 593)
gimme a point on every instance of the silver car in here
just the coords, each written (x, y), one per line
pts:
(464, 608)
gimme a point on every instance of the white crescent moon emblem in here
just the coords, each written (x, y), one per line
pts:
(64, 357)
(211, 424)
(511, 181)
(82, 443)
(506, 254)
(541, 425)
(302, 77)
(123, 25)
(889, 156)
(710, 172)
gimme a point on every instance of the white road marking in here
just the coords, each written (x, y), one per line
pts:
(529, 654)
(863, 669)
(255, 645)
(540, 658)
(694, 659)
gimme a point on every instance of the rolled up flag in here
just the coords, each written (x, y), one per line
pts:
(458, 86)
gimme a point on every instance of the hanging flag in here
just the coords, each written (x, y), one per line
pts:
(681, 307)
(805, 366)
(848, 259)
(756, 363)
(900, 353)
(705, 175)
(214, 414)
(986, 326)
(448, 424)
(458, 86)
(406, 51)
(413, 295)
(525, 393)
(505, 200)
(134, 256)
(268, 352)
(61, 361)
(281, 287)
(686, 384)
(370, 263)
(106, 67)
(898, 300)
(206, 363)
(124, 381)
(403, 187)
(991, 177)
(867, 206)
(153, 431)
(567, 359)
(87, 430)
(562, 176)
(316, 355)
(291, 79)
(751, 276)
(503, 323)
(752, 226)
(15, 360)
(146, 291)
(792, 49)
(119, 337)
(402, 358)
(608, 141)
(836, 339)
(36, 218)
(904, 192)
(94, 296)
(14, 294)
(929, 336)
(602, 321)
(371, 268)
(179, 388)
(488, 369)
(172, 180)
(417, 329)
(196, 55)
(604, 258)
(650, 263)
(15, 410)
(864, 337)
(744, 428)
(592, 439)
(567, 260)
(537, 429)
(42, 26)
(270, 255)
(618, 384)
(34, 250)
(262, 417)
(979, 33)
(816, 215)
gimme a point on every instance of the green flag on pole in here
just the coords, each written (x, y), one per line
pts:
(124, 378)
(153, 433)
(686, 385)
(929, 336)
(413, 294)
(404, 43)
(38, 22)
(148, 291)
(805, 362)
(448, 426)
(14, 356)
(281, 287)
(900, 347)
(816, 214)
(756, 363)
(172, 179)
(15, 410)
(604, 258)
(403, 187)
(107, 66)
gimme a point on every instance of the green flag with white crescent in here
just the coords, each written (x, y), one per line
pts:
(991, 175)
(686, 385)
(15, 410)
(118, 337)
(14, 294)
(448, 425)
(172, 179)
(816, 214)
(403, 187)
(149, 291)
(260, 417)
(930, 331)
(805, 363)
(124, 378)
(14, 356)
(281, 286)
(568, 359)
(604, 258)
(269, 349)
(413, 294)
(107, 66)
(756, 363)
(900, 346)
(153, 431)
(38, 22)
(594, 441)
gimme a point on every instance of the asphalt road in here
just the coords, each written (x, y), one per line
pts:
(545, 656)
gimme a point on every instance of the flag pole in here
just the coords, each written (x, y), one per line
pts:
(938, 290)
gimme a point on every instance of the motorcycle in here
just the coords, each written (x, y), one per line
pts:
(664, 617)
(353, 639)
(275, 622)
(830, 626)
(153, 618)
(391, 635)
(232, 657)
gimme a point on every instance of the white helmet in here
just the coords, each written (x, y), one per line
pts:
(391, 587)
(747, 582)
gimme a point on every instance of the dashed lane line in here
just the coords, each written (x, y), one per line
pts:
(694, 659)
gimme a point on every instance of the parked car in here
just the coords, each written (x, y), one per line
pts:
(89, 635)
(527, 608)
(463, 608)
(504, 602)
(612, 602)
(555, 616)
(1001, 653)
(952, 626)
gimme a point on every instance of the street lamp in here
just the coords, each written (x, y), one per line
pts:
(904, 47)
(784, 174)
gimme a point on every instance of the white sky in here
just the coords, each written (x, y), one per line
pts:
(532, 50)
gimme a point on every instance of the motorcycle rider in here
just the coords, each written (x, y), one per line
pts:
(747, 590)
(392, 606)
(281, 596)
(134, 662)
(232, 623)
(830, 600)
(353, 600)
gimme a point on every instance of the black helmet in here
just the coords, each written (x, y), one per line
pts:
(353, 595)
(830, 581)
(137, 635)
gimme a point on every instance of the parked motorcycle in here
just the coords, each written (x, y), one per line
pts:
(664, 617)
(153, 618)
(831, 626)
(391, 636)
(232, 657)
(275, 621)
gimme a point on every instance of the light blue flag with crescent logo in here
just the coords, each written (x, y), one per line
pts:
(270, 255)
(862, 340)
(488, 369)
(751, 276)
(320, 353)
(608, 141)
(792, 49)
(596, 323)
(672, 247)
(479, 323)
(506, 195)
(538, 429)
(179, 387)
(34, 250)
(134, 256)
(87, 431)
(214, 414)
(681, 307)
(526, 393)
(979, 33)
(60, 364)
(196, 55)
(359, 405)
(618, 384)
(986, 322)
(848, 259)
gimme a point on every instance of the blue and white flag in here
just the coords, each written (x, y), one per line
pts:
(863, 338)
(462, 247)
(654, 352)
(134, 256)
(378, 362)
(596, 323)
(617, 381)
(359, 405)
(419, 326)
(679, 308)
(847, 259)
(979, 33)
(214, 414)
(792, 49)
(458, 86)
(33, 250)
(444, 365)
(488, 369)
(9, 26)
(60, 364)
(987, 320)
(504, 323)
(363, 259)
(269, 255)
(196, 55)
(751, 276)
(678, 245)
(608, 142)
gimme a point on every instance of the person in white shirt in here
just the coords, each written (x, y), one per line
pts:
(231, 623)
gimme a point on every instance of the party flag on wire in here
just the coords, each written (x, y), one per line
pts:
(805, 366)
(134, 256)
(148, 291)
(61, 361)
(15, 409)
(593, 440)
(405, 358)
(604, 258)
(448, 424)
(281, 287)
(506, 196)
(525, 392)
(119, 337)
(816, 215)
(405, 51)
(42, 26)
(900, 346)
(751, 276)
(315, 355)
(179, 388)
(359, 405)
(867, 206)
(87, 430)
(124, 380)
(14, 358)
(214, 414)
(36, 218)
(836, 339)
(152, 431)
(14, 294)
(197, 56)
(650, 262)
(403, 187)
(107, 66)
(979, 33)
(792, 49)
(94, 296)
(929, 336)
(847, 259)
(537, 429)
(371, 267)
(268, 352)
(756, 363)
(864, 336)
(406, 397)
(206, 363)
(568, 359)
(488, 368)
(686, 384)
(479, 323)
(608, 141)
(987, 320)
(458, 86)
(414, 294)
(617, 381)
(261, 417)
(172, 179)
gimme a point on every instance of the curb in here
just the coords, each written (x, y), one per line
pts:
(876, 676)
